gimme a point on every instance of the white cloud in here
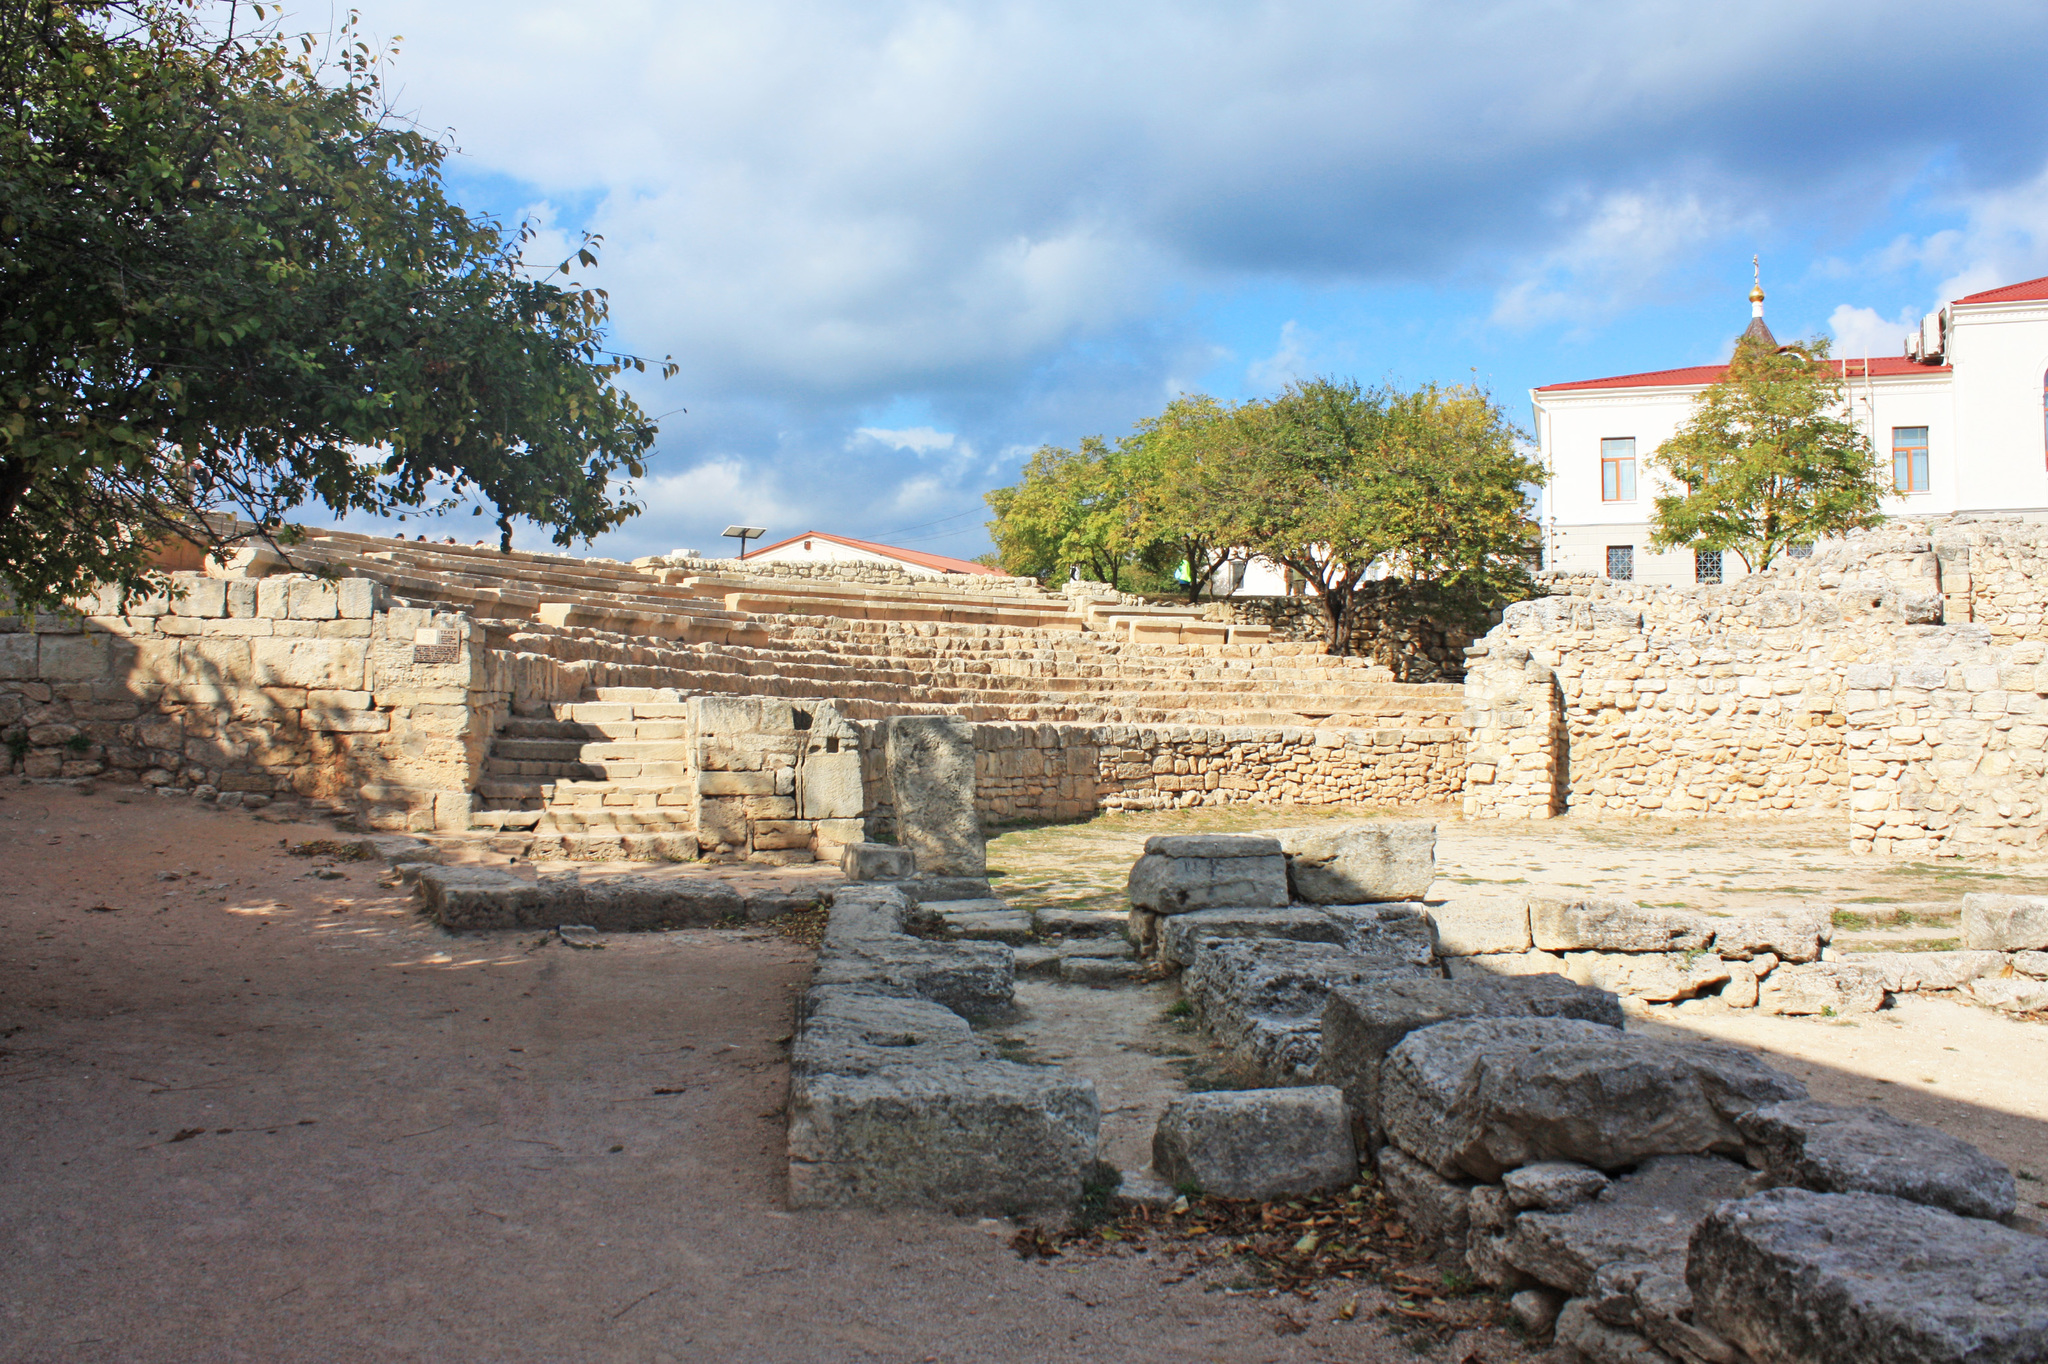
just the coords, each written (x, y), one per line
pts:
(1288, 362)
(1861, 331)
(1617, 254)
(919, 440)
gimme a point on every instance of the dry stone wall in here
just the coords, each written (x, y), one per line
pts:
(1393, 623)
(1839, 684)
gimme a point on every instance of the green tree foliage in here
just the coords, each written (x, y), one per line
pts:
(1072, 511)
(1765, 461)
(1346, 485)
(1184, 470)
(230, 282)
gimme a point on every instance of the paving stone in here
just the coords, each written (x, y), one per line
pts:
(1484, 1096)
(1180, 873)
(1181, 934)
(1845, 1150)
(1610, 925)
(1106, 949)
(1467, 925)
(1036, 960)
(1822, 987)
(1099, 970)
(1257, 1143)
(1362, 1023)
(1349, 864)
(1796, 1277)
(2005, 923)
(1642, 1218)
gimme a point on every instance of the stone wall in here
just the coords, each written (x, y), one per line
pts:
(284, 687)
(1830, 686)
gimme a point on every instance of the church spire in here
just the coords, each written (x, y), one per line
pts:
(1757, 330)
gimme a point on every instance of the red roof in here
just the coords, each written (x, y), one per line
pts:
(938, 562)
(1880, 367)
(2011, 293)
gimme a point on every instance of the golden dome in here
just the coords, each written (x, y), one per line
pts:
(1756, 295)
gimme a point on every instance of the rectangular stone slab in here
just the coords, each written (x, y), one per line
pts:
(1257, 1143)
(1181, 934)
(1351, 864)
(931, 780)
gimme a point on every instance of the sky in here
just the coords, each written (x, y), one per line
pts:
(897, 245)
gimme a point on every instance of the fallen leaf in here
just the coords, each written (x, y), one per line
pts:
(186, 1134)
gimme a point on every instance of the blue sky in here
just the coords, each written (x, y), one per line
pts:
(897, 245)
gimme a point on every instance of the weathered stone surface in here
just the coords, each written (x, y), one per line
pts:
(1080, 923)
(1467, 925)
(1655, 977)
(1262, 998)
(1350, 864)
(1257, 1143)
(477, 898)
(2031, 964)
(923, 889)
(1794, 934)
(856, 1030)
(973, 979)
(1012, 926)
(1849, 1150)
(931, 779)
(1181, 934)
(1181, 873)
(1796, 1277)
(1822, 987)
(1437, 1208)
(876, 862)
(1482, 1097)
(1099, 970)
(2005, 923)
(1553, 1185)
(1397, 929)
(1536, 1309)
(989, 1137)
(1362, 1023)
(1496, 964)
(1606, 925)
(2017, 995)
(1600, 1343)
(1644, 1218)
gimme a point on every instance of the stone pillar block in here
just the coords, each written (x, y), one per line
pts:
(931, 774)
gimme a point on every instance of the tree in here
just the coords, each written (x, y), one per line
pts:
(1345, 486)
(1071, 511)
(231, 282)
(1764, 461)
(1183, 469)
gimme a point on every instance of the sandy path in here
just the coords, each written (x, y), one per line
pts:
(398, 1145)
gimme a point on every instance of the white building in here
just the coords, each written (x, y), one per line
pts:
(1963, 417)
(820, 547)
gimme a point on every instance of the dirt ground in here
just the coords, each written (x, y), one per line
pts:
(264, 1112)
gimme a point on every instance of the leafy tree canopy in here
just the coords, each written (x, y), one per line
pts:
(1071, 511)
(231, 282)
(1183, 469)
(1767, 459)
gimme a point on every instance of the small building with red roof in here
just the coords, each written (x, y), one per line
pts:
(1961, 418)
(817, 546)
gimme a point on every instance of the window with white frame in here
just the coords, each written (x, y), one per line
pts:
(1618, 469)
(1909, 459)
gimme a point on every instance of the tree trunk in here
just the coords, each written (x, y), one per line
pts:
(504, 533)
(14, 481)
(1337, 606)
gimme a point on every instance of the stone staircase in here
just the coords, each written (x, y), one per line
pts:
(610, 772)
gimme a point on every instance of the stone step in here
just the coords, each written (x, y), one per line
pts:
(536, 770)
(537, 750)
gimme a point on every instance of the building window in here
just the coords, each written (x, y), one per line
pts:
(1804, 551)
(1909, 459)
(1618, 469)
(1706, 565)
(1621, 563)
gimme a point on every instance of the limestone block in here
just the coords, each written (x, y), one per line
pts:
(17, 656)
(1552, 1185)
(829, 786)
(206, 598)
(1467, 925)
(876, 862)
(359, 598)
(1494, 964)
(347, 721)
(1437, 1208)
(1181, 935)
(1263, 998)
(2031, 963)
(1822, 987)
(736, 783)
(772, 834)
(2017, 995)
(1907, 971)
(931, 778)
(1180, 873)
(1644, 1218)
(273, 598)
(1846, 1150)
(1348, 864)
(723, 717)
(1607, 925)
(71, 658)
(1792, 934)
(722, 822)
(335, 664)
(312, 599)
(1362, 1023)
(1799, 1276)
(1482, 1097)
(1258, 1143)
(1999, 923)
(1656, 977)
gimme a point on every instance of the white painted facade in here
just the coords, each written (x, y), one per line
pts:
(817, 547)
(1979, 394)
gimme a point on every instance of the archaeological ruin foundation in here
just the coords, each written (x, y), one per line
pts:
(630, 726)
